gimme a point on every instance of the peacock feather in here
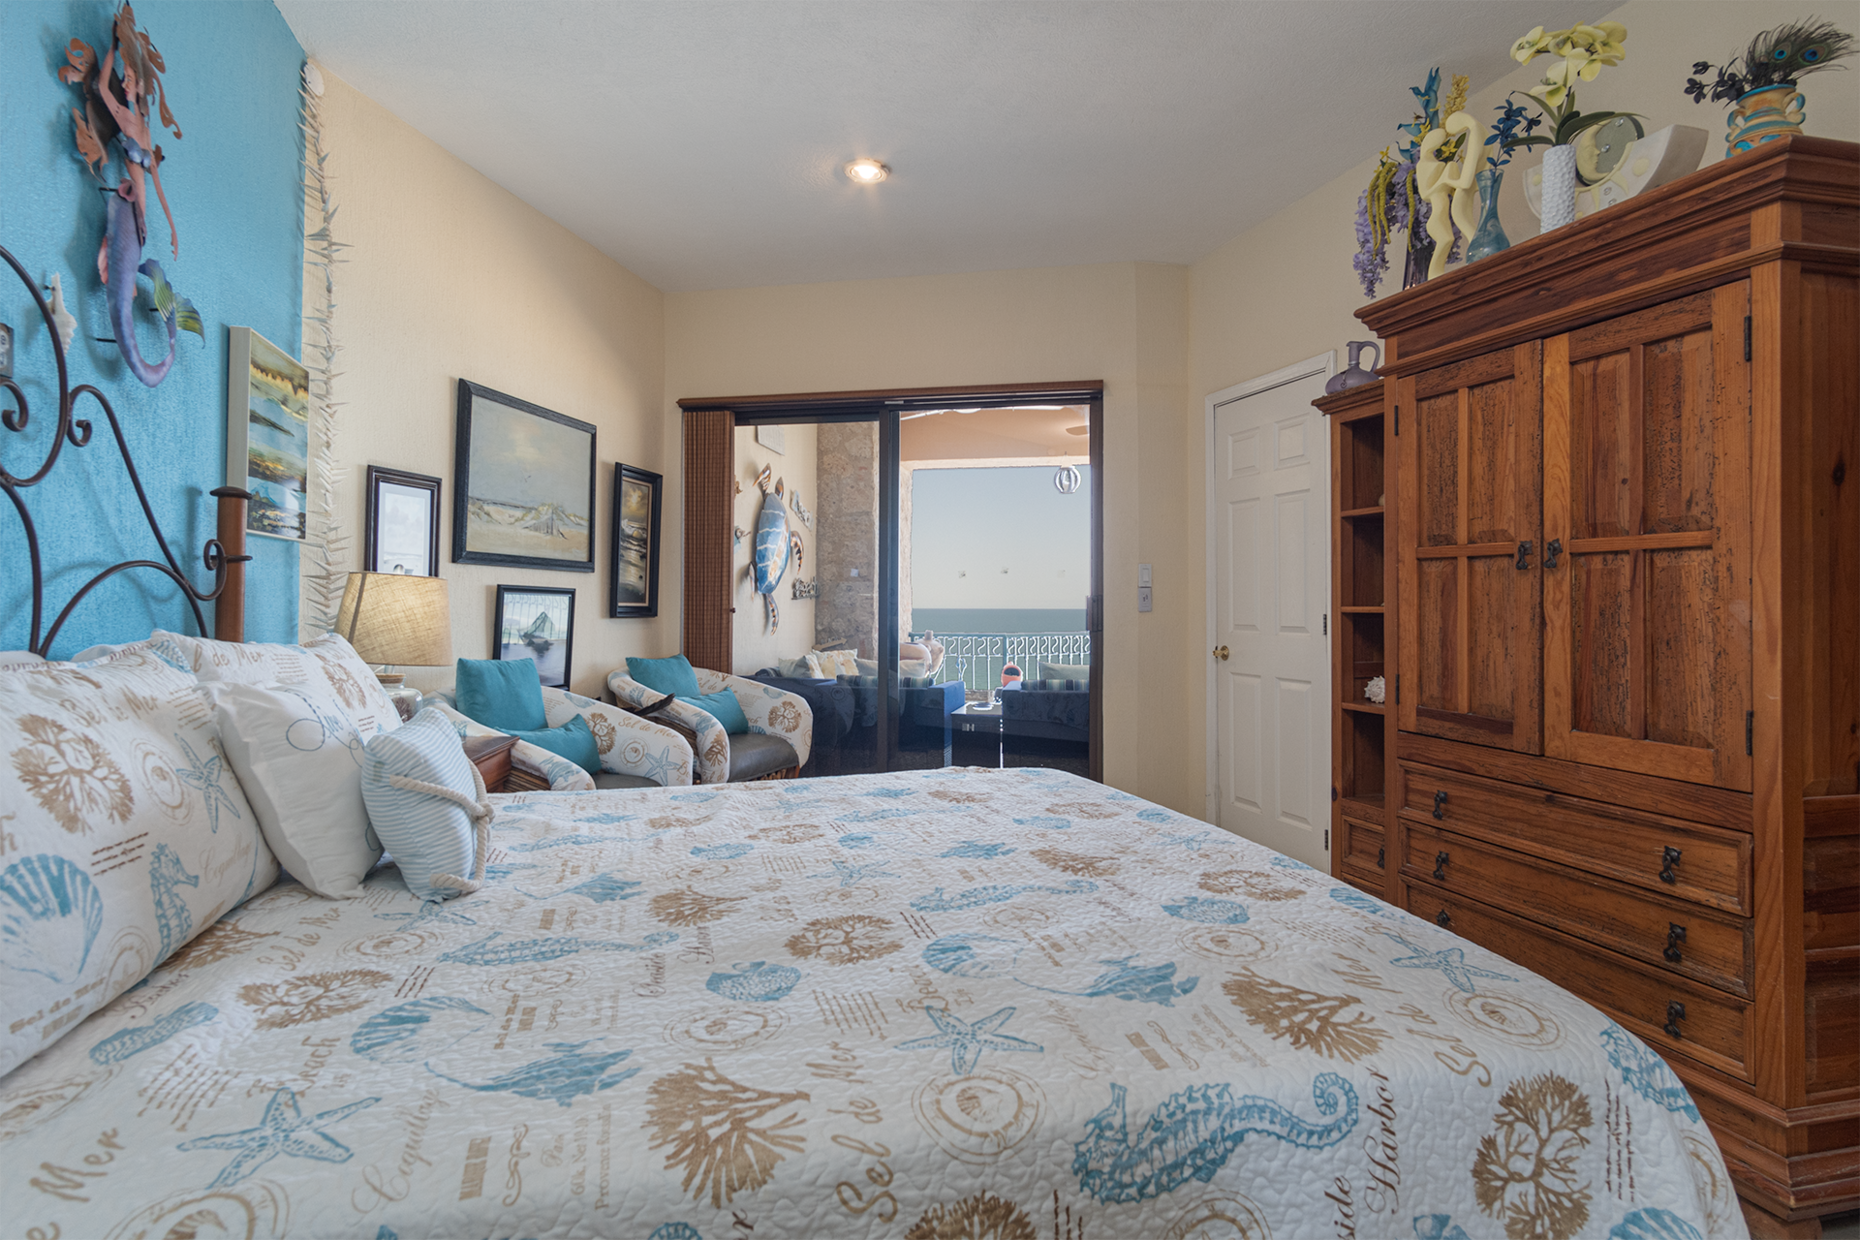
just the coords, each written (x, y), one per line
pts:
(1787, 52)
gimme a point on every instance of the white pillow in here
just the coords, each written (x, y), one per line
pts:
(838, 662)
(426, 802)
(298, 756)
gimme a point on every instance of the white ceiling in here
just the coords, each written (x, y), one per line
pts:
(700, 142)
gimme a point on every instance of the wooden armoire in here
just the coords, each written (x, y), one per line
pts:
(1621, 637)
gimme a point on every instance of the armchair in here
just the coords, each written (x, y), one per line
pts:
(777, 745)
(635, 752)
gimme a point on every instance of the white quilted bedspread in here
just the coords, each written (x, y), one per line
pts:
(948, 1004)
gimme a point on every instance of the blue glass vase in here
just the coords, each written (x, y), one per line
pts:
(1489, 238)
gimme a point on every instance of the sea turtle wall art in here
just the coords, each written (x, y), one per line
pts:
(776, 544)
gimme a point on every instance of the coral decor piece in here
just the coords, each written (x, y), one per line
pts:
(114, 124)
(1376, 690)
(325, 559)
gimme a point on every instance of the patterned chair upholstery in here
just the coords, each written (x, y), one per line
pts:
(635, 752)
(777, 745)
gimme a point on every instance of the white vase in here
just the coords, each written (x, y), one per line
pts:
(1559, 192)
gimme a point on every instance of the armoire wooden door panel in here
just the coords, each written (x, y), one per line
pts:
(1647, 574)
(1467, 546)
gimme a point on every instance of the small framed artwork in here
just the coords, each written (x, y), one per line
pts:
(268, 434)
(524, 493)
(536, 623)
(635, 586)
(402, 529)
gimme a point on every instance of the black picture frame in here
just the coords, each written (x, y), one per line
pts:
(386, 518)
(521, 605)
(633, 560)
(496, 435)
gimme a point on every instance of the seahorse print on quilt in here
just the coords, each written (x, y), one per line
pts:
(1192, 1133)
(1646, 1073)
(171, 916)
(121, 1045)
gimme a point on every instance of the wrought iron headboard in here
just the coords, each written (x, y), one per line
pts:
(224, 555)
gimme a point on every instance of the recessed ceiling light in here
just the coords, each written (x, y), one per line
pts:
(867, 171)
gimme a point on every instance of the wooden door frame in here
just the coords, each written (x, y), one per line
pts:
(884, 405)
(1323, 364)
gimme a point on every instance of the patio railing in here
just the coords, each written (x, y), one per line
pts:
(979, 657)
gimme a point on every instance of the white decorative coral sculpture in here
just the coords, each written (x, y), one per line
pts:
(1377, 690)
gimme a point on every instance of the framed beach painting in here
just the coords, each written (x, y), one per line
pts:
(634, 591)
(536, 623)
(402, 528)
(524, 494)
(268, 434)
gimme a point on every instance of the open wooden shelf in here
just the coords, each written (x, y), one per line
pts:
(1363, 635)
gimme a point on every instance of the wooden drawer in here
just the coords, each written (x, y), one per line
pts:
(1712, 868)
(1364, 849)
(1709, 947)
(1711, 1030)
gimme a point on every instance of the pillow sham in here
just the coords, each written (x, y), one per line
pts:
(573, 740)
(426, 801)
(670, 675)
(299, 759)
(838, 662)
(505, 694)
(327, 659)
(129, 835)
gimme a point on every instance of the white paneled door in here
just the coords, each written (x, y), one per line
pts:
(1270, 492)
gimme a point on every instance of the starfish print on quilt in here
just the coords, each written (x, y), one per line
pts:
(967, 1040)
(284, 1129)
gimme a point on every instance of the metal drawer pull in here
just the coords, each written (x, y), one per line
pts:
(1675, 935)
(1675, 1012)
(1669, 857)
(1443, 918)
(1440, 867)
(1524, 556)
(1552, 550)
(1440, 803)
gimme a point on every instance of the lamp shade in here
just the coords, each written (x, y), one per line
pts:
(390, 618)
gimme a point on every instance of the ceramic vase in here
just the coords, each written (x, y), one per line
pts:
(1559, 193)
(1354, 375)
(1763, 116)
(1489, 238)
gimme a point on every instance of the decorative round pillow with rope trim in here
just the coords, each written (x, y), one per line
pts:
(427, 804)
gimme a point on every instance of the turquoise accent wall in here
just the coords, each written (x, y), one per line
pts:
(233, 181)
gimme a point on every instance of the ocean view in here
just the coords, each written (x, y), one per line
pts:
(998, 619)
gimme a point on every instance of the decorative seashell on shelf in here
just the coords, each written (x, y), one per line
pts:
(43, 896)
(1376, 690)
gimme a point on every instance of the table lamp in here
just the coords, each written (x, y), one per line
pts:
(392, 620)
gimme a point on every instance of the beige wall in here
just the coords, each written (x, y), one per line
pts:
(1285, 291)
(1124, 323)
(449, 277)
(755, 647)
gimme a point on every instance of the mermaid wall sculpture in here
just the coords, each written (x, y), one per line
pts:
(114, 124)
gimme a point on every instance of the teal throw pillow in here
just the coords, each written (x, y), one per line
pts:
(427, 835)
(721, 706)
(673, 675)
(574, 740)
(505, 694)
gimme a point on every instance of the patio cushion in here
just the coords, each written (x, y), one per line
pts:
(755, 754)
(611, 779)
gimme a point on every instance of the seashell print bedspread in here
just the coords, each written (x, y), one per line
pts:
(1011, 1004)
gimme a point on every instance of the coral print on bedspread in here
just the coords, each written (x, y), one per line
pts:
(123, 834)
(1007, 1004)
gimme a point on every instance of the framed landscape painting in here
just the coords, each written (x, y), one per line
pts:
(524, 495)
(536, 623)
(634, 590)
(402, 523)
(268, 434)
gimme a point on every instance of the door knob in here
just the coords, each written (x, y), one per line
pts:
(1220, 652)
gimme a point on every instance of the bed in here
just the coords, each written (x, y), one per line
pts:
(949, 1003)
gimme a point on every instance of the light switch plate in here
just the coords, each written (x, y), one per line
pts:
(1143, 575)
(1143, 598)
